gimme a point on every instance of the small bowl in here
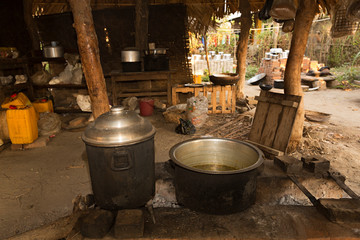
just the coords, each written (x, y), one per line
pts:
(265, 87)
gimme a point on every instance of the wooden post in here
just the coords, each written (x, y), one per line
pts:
(89, 53)
(141, 24)
(292, 78)
(31, 25)
(241, 50)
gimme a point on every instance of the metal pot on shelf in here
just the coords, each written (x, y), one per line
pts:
(120, 150)
(54, 50)
(156, 60)
(156, 51)
(130, 60)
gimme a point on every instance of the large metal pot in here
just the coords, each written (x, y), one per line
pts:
(120, 150)
(216, 175)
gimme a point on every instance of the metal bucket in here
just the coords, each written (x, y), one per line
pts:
(216, 175)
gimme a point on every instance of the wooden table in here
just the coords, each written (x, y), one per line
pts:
(144, 84)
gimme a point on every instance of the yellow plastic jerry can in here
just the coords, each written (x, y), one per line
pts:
(22, 125)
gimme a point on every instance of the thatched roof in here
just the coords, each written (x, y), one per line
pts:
(201, 12)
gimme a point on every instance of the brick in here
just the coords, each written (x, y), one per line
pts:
(277, 74)
(316, 164)
(275, 63)
(129, 224)
(314, 65)
(283, 61)
(322, 84)
(15, 147)
(288, 164)
(277, 69)
(40, 142)
(331, 84)
(97, 223)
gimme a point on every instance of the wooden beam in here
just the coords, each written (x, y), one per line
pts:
(266, 149)
(141, 24)
(241, 51)
(89, 53)
(287, 103)
(292, 78)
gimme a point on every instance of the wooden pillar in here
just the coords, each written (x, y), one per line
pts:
(141, 24)
(31, 25)
(90, 57)
(241, 51)
(292, 79)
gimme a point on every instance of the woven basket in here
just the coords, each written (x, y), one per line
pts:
(341, 26)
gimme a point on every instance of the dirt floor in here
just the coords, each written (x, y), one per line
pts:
(38, 185)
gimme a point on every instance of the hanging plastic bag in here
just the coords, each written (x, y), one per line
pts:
(84, 102)
(41, 77)
(185, 127)
(196, 110)
(283, 9)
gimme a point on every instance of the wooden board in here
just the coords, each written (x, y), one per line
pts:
(274, 119)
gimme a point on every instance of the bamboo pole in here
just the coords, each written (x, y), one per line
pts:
(89, 53)
(242, 43)
(292, 78)
(206, 52)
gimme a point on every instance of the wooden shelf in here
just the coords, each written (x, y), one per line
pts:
(42, 59)
(141, 94)
(67, 110)
(142, 78)
(73, 86)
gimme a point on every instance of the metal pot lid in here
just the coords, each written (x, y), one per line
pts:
(118, 127)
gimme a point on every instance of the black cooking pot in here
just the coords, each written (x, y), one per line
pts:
(216, 175)
(120, 151)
